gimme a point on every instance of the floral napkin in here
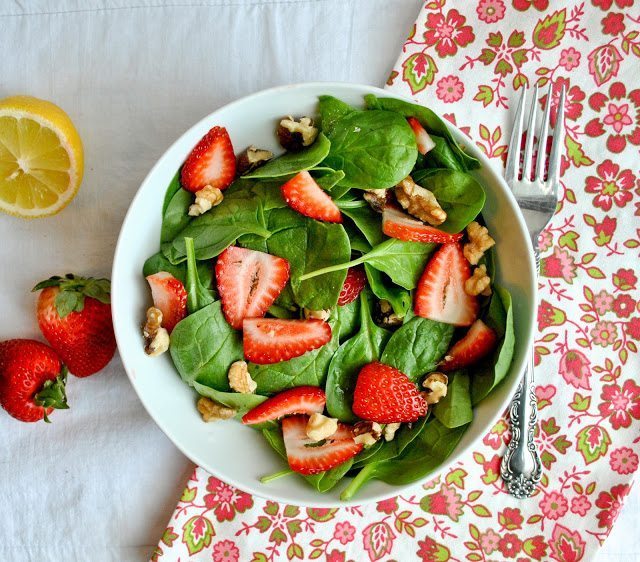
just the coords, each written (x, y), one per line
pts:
(467, 60)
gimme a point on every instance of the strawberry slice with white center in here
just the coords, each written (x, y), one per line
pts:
(298, 400)
(308, 457)
(440, 294)
(211, 162)
(477, 343)
(399, 225)
(270, 340)
(169, 296)
(304, 195)
(249, 282)
(424, 141)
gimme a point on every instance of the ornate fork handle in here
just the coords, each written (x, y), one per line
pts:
(521, 468)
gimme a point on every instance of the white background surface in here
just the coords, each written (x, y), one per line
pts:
(101, 481)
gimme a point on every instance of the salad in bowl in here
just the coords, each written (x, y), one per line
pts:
(340, 297)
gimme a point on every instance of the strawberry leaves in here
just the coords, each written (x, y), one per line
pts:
(52, 394)
(74, 289)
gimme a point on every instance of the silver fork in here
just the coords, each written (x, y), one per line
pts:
(521, 467)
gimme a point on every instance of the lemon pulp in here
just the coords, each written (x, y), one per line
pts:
(41, 157)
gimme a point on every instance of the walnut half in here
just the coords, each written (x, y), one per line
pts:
(435, 386)
(251, 159)
(239, 378)
(213, 411)
(479, 283)
(390, 431)
(206, 198)
(156, 338)
(320, 427)
(295, 134)
(479, 242)
(367, 433)
(420, 202)
(317, 314)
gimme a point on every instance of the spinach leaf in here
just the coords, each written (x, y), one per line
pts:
(203, 346)
(426, 453)
(348, 318)
(458, 193)
(176, 216)
(403, 262)
(454, 409)
(329, 181)
(241, 212)
(291, 163)
(375, 149)
(331, 110)
(351, 356)
(198, 296)
(417, 346)
(367, 221)
(384, 289)
(428, 119)
(309, 244)
(158, 262)
(423, 455)
(308, 369)
(240, 402)
(442, 156)
(172, 189)
(495, 368)
(278, 311)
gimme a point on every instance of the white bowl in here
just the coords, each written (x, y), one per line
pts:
(229, 450)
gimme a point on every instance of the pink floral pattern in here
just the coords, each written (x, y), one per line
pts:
(460, 58)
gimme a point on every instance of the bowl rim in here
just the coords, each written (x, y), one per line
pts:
(525, 332)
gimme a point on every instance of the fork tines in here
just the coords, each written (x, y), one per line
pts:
(513, 161)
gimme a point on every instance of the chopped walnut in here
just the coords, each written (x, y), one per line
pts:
(156, 338)
(251, 159)
(420, 202)
(479, 242)
(367, 433)
(377, 198)
(294, 135)
(206, 198)
(320, 427)
(212, 411)
(390, 431)
(317, 314)
(479, 283)
(239, 378)
(385, 315)
(435, 387)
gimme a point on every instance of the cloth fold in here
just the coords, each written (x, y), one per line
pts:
(468, 61)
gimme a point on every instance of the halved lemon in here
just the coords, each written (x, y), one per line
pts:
(41, 158)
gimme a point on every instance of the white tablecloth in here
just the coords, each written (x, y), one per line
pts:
(100, 482)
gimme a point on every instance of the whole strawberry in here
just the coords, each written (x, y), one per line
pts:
(31, 380)
(74, 314)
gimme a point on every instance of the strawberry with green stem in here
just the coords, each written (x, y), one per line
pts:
(74, 315)
(32, 380)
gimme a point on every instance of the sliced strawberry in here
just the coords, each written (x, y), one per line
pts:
(424, 141)
(211, 162)
(308, 457)
(399, 225)
(385, 395)
(477, 343)
(440, 294)
(354, 283)
(304, 195)
(249, 282)
(298, 400)
(270, 340)
(170, 297)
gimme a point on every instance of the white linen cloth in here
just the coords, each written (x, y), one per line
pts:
(100, 482)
